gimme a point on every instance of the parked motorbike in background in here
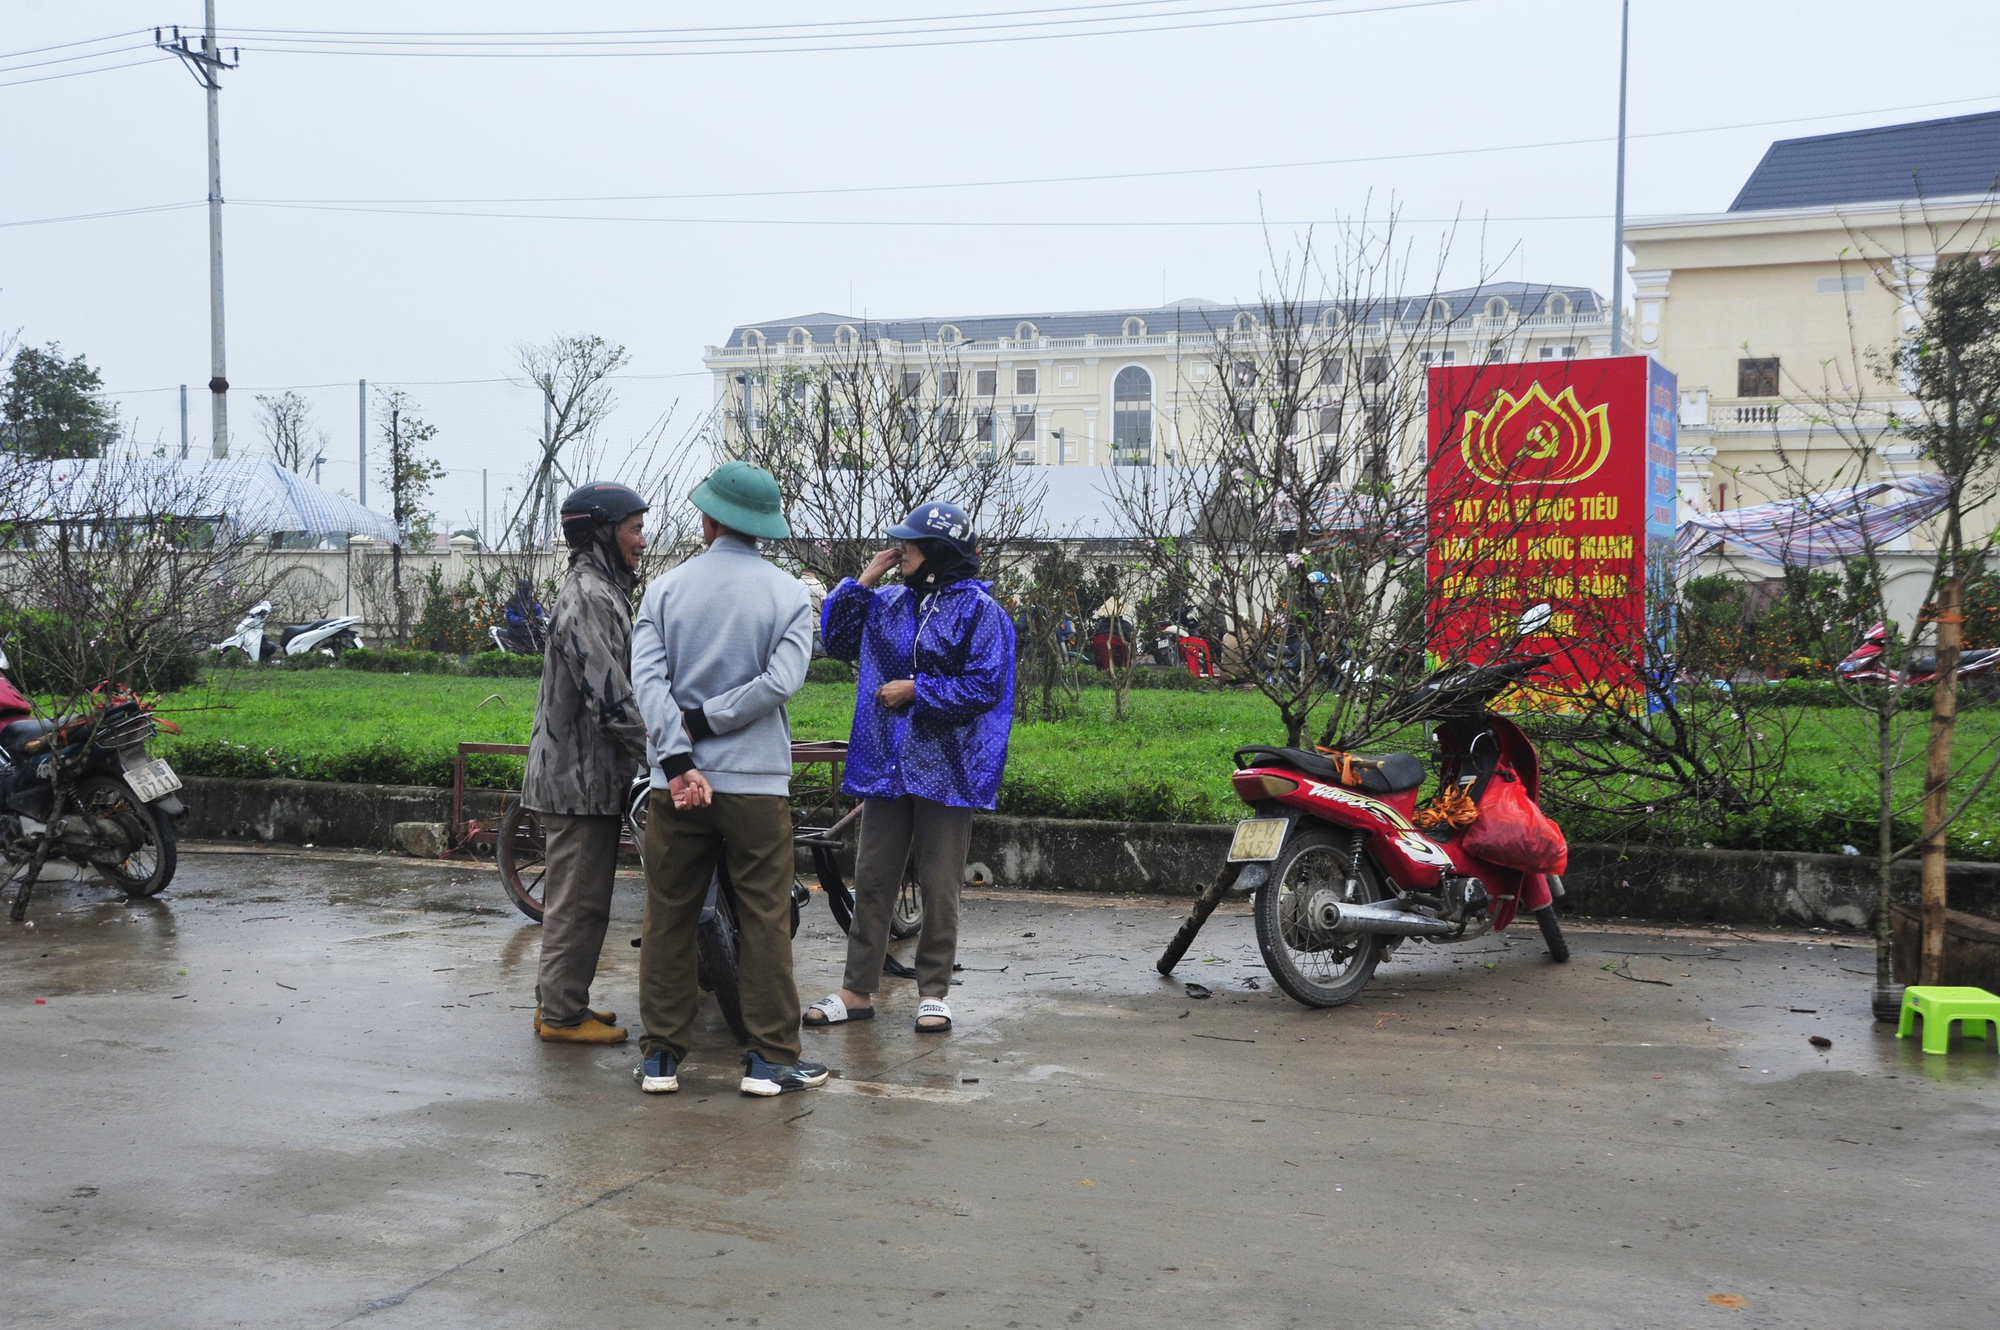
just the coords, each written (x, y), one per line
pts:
(84, 788)
(1868, 663)
(252, 636)
(524, 626)
(1342, 872)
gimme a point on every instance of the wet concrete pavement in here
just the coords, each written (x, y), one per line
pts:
(301, 1090)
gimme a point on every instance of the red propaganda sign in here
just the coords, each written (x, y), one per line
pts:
(1550, 482)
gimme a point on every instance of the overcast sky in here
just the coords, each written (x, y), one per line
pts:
(1425, 105)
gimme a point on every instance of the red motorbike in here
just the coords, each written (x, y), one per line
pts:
(1342, 873)
(1868, 663)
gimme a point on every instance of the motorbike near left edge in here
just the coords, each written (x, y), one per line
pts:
(84, 788)
(331, 636)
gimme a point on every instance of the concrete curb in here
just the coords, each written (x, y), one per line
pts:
(1167, 859)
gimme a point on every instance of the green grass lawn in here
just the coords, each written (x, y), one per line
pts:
(1169, 760)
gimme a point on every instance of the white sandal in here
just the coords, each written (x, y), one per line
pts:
(832, 1011)
(933, 1008)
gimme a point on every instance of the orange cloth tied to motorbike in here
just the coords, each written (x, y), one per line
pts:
(1512, 832)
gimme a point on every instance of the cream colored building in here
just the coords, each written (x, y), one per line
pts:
(1783, 301)
(1123, 387)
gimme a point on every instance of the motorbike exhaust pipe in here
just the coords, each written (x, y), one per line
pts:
(1337, 917)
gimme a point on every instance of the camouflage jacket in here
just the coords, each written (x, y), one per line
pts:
(589, 740)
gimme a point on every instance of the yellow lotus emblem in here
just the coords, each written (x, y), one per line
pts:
(1535, 439)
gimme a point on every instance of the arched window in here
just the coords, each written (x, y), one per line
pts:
(1025, 332)
(845, 335)
(1135, 327)
(1558, 305)
(1330, 318)
(1439, 311)
(1246, 322)
(752, 339)
(799, 337)
(1132, 417)
(950, 336)
(1496, 308)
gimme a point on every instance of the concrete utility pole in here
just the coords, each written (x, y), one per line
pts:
(361, 456)
(184, 422)
(205, 62)
(1618, 208)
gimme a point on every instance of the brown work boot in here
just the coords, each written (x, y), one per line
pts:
(608, 1017)
(592, 1031)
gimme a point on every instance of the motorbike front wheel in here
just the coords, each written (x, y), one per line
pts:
(715, 946)
(1552, 933)
(907, 918)
(1314, 967)
(521, 850)
(146, 864)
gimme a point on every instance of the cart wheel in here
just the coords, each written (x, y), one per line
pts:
(908, 918)
(522, 851)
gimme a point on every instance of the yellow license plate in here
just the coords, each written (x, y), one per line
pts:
(1257, 839)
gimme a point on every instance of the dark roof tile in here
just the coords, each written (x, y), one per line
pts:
(1931, 158)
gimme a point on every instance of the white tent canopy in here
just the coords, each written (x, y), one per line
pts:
(254, 495)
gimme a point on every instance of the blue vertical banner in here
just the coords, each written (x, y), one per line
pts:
(1662, 495)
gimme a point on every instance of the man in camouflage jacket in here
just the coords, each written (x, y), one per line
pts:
(588, 743)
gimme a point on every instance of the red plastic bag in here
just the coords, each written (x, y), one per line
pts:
(1512, 832)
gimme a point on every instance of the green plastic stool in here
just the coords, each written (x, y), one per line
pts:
(1976, 1011)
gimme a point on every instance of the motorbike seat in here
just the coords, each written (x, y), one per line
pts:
(15, 734)
(1391, 773)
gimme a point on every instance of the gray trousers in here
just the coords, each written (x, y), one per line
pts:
(581, 865)
(891, 829)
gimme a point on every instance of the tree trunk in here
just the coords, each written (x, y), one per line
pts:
(1937, 775)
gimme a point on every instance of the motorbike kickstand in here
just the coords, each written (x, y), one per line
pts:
(1204, 906)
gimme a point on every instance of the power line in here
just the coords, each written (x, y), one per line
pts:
(78, 73)
(64, 46)
(1028, 180)
(952, 223)
(739, 48)
(727, 27)
(72, 59)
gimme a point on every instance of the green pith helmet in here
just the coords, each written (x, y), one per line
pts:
(743, 498)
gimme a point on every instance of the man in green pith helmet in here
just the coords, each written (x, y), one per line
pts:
(720, 645)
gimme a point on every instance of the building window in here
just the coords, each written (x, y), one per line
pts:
(1496, 353)
(1439, 311)
(1246, 417)
(1757, 377)
(948, 427)
(1132, 417)
(1246, 322)
(1559, 353)
(1440, 357)
(983, 426)
(950, 336)
(1135, 327)
(1288, 375)
(913, 382)
(988, 382)
(1496, 308)
(913, 424)
(1329, 419)
(1558, 305)
(1024, 424)
(845, 335)
(799, 337)
(1025, 332)
(948, 383)
(1375, 369)
(1246, 373)
(1024, 383)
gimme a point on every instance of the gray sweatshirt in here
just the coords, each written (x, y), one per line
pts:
(726, 635)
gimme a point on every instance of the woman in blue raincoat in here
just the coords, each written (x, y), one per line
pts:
(933, 708)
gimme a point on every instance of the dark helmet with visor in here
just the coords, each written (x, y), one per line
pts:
(943, 522)
(601, 502)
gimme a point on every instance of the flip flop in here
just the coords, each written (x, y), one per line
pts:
(932, 1008)
(832, 1011)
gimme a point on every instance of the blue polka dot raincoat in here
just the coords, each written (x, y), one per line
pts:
(950, 745)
